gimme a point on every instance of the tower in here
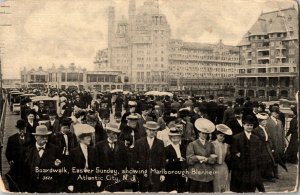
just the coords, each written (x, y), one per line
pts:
(111, 32)
(131, 16)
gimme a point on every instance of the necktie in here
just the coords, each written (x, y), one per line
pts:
(66, 152)
(111, 145)
(40, 148)
(41, 151)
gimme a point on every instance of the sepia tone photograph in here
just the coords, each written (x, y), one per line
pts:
(178, 96)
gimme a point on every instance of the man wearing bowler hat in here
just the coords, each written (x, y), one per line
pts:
(111, 154)
(16, 145)
(41, 155)
(150, 155)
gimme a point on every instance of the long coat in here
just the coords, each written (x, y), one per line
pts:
(36, 181)
(175, 181)
(276, 135)
(15, 153)
(266, 155)
(196, 148)
(292, 149)
(148, 159)
(59, 140)
(78, 161)
(245, 172)
(115, 159)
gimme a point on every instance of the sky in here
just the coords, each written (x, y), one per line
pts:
(46, 32)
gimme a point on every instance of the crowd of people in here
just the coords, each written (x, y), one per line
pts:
(118, 142)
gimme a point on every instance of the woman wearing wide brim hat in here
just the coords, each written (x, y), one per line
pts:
(221, 177)
(83, 157)
(201, 156)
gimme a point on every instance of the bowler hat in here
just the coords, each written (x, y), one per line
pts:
(113, 127)
(224, 129)
(262, 116)
(249, 120)
(151, 125)
(204, 125)
(52, 113)
(238, 110)
(274, 109)
(32, 111)
(184, 113)
(65, 121)
(41, 130)
(21, 124)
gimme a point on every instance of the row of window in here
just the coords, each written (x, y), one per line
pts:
(268, 70)
(203, 57)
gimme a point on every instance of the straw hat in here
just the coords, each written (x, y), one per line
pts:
(113, 127)
(151, 125)
(224, 129)
(83, 129)
(204, 125)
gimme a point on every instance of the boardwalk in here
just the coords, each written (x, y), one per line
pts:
(10, 129)
(287, 181)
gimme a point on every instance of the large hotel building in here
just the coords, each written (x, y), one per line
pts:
(142, 48)
(142, 56)
(269, 56)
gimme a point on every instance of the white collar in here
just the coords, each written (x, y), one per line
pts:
(110, 141)
(175, 146)
(150, 139)
(247, 134)
(38, 146)
(203, 141)
(83, 146)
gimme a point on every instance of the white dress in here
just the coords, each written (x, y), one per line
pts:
(221, 177)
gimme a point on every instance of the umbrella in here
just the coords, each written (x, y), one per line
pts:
(166, 94)
(152, 93)
(126, 92)
(116, 91)
(278, 160)
(11, 181)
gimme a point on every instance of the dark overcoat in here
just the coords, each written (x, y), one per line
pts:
(245, 157)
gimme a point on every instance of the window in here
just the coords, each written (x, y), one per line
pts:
(291, 51)
(63, 77)
(284, 69)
